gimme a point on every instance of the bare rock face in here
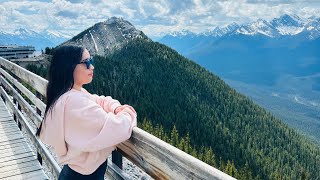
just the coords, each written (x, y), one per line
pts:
(105, 37)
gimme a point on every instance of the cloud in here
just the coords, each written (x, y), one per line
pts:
(280, 1)
(68, 14)
(75, 1)
(154, 17)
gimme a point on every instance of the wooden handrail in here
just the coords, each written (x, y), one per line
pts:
(41, 105)
(37, 82)
(156, 157)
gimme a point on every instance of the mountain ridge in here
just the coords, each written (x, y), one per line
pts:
(285, 25)
(105, 37)
(40, 40)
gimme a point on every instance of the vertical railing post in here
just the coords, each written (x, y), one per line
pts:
(117, 158)
(14, 114)
(38, 95)
(19, 124)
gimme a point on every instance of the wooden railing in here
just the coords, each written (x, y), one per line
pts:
(157, 158)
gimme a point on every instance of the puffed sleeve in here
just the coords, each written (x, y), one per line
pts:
(89, 127)
(106, 102)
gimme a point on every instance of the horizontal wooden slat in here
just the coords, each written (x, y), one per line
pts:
(11, 151)
(163, 161)
(16, 162)
(32, 79)
(25, 163)
(12, 144)
(23, 103)
(10, 138)
(10, 131)
(17, 156)
(116, 172)
(2, 144)
(29, 175)
(24, 90)
(20, 170)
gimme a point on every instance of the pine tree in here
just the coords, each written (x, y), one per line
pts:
(174, 138)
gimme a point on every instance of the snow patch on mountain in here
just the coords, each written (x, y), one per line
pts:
(289, 30)
(40, 40)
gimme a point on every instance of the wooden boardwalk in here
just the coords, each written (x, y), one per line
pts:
(17, 161)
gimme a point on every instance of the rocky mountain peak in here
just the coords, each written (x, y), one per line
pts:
(104, 37)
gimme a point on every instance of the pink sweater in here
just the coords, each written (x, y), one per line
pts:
(83, 130)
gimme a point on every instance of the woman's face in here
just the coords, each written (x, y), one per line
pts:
(81, 74)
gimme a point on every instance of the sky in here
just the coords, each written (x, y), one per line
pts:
(154, 17)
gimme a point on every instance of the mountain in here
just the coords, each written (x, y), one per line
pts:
(105, 37)
(40, 40)
(193, 109)
(285, 25)
(280, 56)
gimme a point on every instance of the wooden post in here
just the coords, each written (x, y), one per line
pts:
(19, 124)
(117, 158)
(4, 100)
(38, 95)
(39, 158)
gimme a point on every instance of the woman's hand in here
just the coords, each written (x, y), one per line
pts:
(120, 108)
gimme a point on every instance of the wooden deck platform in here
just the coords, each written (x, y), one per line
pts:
(17, 161)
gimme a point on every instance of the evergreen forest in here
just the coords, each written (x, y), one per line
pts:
(185, 105)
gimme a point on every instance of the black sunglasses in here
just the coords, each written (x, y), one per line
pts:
(88, 62)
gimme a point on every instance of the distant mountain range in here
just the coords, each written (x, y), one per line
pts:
(40, 40)
(285, 27)
(263, 59)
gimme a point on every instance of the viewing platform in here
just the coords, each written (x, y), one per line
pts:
(17, 161)
(22, 108)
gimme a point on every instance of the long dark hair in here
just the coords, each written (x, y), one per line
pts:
(60, 76)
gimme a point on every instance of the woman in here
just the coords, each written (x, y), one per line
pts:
(82, 128)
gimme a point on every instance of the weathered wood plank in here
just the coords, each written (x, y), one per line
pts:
(5, 114)
(17, 156)
(9, 128)
(13, 152)
(32, 79)
(163, 161)
(23, 147)
(115, 172)
(15, 136)
(33, 175)
(12, 142)
(24, 90)
(20, 170)
(23, 103)
(6, 123)
(16, 162)
(7, 132)
(9, 118)
(25, 163)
